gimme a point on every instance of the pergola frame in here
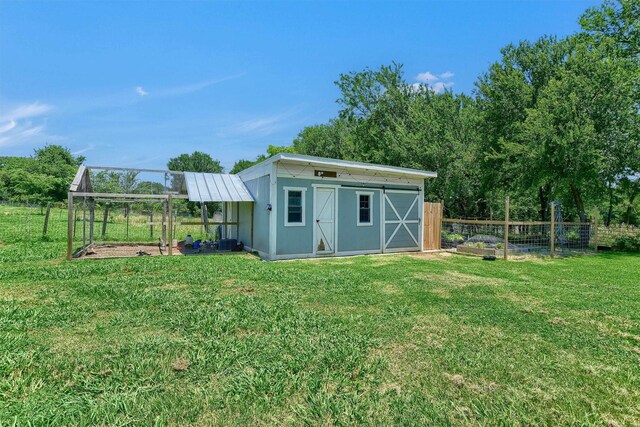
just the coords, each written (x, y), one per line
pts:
(81, 188)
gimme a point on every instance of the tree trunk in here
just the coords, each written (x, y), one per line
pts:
(584, 229)
(632, 198)
(543, 197)
(577, 200)
(607, 220)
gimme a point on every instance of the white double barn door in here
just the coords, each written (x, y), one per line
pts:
(400, 229)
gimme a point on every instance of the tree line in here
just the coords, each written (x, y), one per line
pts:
(555, 119)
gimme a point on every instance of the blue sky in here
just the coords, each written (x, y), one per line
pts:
(135, 83)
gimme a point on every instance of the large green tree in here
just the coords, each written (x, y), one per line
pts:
(43, 177)
(194, 162)
(386, 120)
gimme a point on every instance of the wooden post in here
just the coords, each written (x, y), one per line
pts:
(46, 220)
(75, 221)
(506, 228)
(70, 225)
(92, 217)
(151, 221)
(595, 230)
(164, 223)
(84, 221)
(553, 229)
(105, 217)
(170, 202)
(205, 215)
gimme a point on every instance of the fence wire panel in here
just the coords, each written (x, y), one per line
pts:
(533, 238)
(619, 236)
(529, 238)
(20, 222)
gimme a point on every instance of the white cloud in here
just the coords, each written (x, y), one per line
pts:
(426, 77)
(26, 111)
(23, 123)
(185, 89)
(7, 126)
(83, 150)
(439, 87)
(258, 126)
(436, 83)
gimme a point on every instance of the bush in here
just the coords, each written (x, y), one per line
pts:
(479, 245)
(452, 237)
(627, 243)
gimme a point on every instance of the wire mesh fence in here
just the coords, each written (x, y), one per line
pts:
(107, 222)
(147, 222)
(518, 238)
(512, 238)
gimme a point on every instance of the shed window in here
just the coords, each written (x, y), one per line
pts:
(294, 199)
(364, 208)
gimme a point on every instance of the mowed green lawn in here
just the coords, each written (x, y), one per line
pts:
(380, 340)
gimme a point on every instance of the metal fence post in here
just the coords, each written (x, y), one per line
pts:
(595, 230)
(70, 225)
(553, 229)
(170, 237)
(506, 228)
(46, 220)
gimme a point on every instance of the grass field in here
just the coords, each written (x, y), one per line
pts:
(228, 340)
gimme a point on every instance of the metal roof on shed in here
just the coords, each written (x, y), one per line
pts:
(216, 187)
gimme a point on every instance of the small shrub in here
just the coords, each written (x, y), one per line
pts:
(452, 237)
(475, 245)
(627, 243)
(498, 245)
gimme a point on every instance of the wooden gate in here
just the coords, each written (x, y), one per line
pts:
(432, 225)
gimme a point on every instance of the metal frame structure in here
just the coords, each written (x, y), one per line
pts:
(81, 187)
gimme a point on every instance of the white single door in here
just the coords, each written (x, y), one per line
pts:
(325, 220)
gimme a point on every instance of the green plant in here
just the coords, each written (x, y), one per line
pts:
(452, 237)
(627, 243)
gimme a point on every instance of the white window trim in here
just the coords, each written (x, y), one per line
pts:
(364, 193)
(303, 191)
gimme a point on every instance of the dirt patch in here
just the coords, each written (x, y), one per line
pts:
(558, 321)
(457, 280)
(628, 335)
(389, 290)
(436, 256)
(121, 251)
(527, 304)
(457, 380)
(389, 387)
(233, 286)
(180, 364)
(20, 292)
